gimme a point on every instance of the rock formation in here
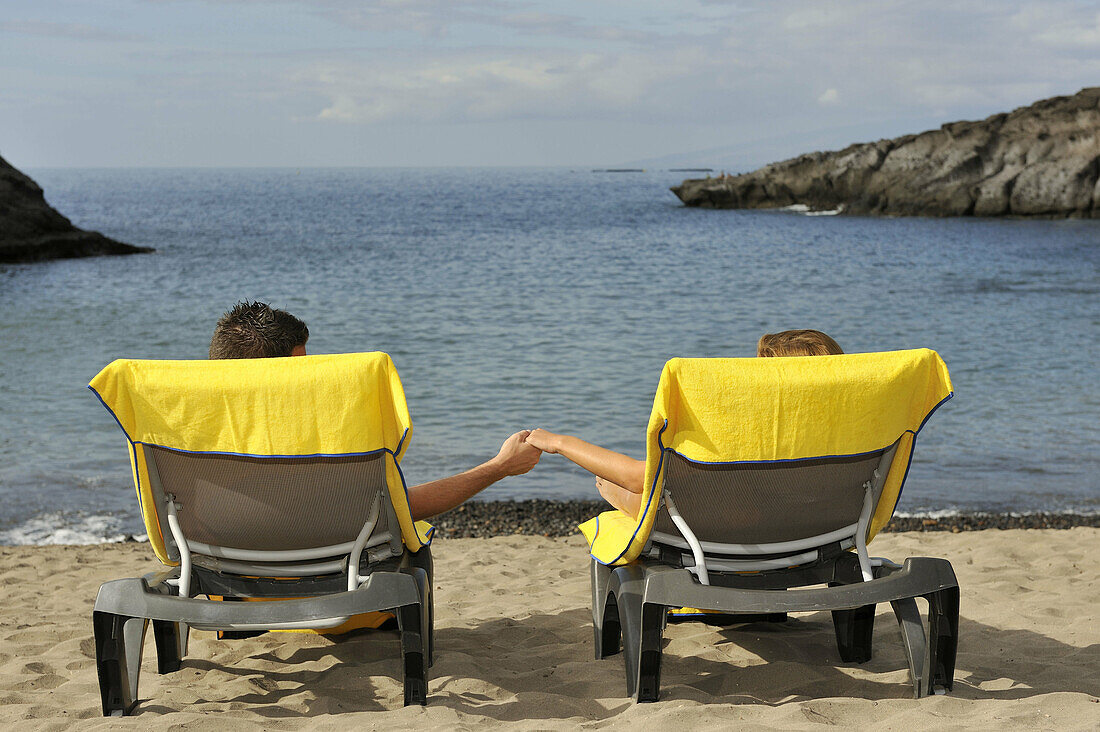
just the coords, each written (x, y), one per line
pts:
(32, 230)
(1042, 161)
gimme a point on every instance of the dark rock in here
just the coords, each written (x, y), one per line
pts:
(31, 230)
(1038, 161)
(535, 517)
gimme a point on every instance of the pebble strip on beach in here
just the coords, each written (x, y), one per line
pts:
(480, 519)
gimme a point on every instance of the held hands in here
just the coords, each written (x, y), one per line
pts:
(517, 455)
(619, 478)
(543, 440)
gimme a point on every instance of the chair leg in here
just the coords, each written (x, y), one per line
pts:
(607, 631)
(854, 631)
(423, 571)
(426, 620)
(943, 637)
(649, 659)
(168, 659)
(118, 648)
(414, 666)
(916, 645)
(133, 631)
(642, 625)
(629, 606)
(169, 645)
(431, 628)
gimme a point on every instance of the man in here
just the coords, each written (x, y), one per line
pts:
(255, 330)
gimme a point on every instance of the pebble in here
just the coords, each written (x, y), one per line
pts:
(540, 517)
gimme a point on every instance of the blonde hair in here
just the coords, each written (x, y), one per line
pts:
(797, 343)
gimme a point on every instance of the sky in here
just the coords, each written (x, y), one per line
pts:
(120, 83)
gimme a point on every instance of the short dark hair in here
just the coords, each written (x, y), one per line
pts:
(257, 330)
(797, 343)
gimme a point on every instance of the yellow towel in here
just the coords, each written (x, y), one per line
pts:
(302, 406)
(769, 409)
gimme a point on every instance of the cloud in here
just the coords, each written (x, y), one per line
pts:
(484, 85)
(568, 26)
(1060, 25)
(445, 18)
(1071, 34)
(431, 18)
(823, 16)
(646, 73)
(941, 59)
(428, 17)
(72, 31)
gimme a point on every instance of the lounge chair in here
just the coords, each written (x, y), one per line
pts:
(264, 479)
(764, 475)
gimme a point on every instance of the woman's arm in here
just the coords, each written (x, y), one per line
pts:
(625, 472)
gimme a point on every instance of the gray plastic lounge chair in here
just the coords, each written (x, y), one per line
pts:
(762, 538)
(321, 529)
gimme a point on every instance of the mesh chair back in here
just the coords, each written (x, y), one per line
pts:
(272, 504)
(764, 503)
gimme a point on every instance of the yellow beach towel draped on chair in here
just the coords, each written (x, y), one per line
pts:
(718, 410)
(274, 407)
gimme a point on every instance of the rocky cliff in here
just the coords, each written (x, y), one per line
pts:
(1042, 160)
(32, 230)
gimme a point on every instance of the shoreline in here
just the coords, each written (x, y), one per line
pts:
(557, 518)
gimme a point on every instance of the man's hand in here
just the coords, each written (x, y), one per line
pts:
(515, 458)
(543, 440)
(517, 455)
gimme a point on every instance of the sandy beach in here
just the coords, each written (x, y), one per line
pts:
(1029, 655)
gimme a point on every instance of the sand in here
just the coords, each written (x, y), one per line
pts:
(1029, 655)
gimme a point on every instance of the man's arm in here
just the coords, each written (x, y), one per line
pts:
(613, 466)
(515, 458)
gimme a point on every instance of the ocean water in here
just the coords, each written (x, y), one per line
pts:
(519, 298)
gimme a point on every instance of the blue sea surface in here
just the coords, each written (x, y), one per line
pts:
(512, 299)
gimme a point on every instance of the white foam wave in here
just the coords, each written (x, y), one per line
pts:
(807, 211)
(940, 514)
(52, 529)
(954, 512)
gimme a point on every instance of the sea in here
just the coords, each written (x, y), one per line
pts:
(522, 298)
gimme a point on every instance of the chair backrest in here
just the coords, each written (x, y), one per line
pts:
(766, 503)
(266, 460)
(275, 506)
(761, 448)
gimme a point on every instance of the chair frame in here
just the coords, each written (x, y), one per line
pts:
(766, 581)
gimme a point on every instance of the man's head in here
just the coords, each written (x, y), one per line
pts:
(256, 330)
(797, 343)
